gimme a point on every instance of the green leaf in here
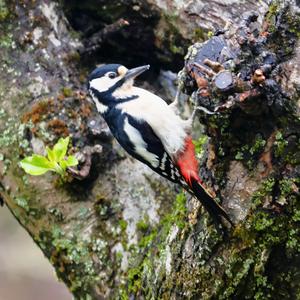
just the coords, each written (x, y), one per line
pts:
(60, 149)
(56, 160)
(58, 169)
(50, 154)
(71, 161)
(36, 165)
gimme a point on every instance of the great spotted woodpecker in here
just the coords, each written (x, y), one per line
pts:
(149, 129)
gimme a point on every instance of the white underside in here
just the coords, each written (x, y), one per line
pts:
(155, 111)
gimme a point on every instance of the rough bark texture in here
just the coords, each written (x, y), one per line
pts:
(123, 232)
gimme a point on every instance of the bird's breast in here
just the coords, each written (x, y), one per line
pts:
(162, 119)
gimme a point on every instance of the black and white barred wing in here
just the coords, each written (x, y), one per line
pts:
(148, 148)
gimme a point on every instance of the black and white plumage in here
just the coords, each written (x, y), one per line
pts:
(149, 129)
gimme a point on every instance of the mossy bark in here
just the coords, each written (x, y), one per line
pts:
(123, 233)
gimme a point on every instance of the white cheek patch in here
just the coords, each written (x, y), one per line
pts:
(103, 84)
(140, 146)
(100, 107)
(124, 91)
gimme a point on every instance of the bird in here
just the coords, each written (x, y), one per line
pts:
(150, 130)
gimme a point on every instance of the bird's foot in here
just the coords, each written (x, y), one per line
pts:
(175, 104)
(190, 121)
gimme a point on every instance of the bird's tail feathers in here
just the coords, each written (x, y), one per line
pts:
(207, 201)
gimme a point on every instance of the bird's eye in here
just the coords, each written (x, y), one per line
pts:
(112, 75)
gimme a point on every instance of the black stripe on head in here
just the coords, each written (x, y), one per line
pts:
(102, 70)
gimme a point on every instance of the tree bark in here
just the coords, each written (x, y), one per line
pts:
(123, 232)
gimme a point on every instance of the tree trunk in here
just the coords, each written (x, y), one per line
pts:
(123, 232)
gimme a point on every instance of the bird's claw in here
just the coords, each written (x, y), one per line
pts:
(205, 110)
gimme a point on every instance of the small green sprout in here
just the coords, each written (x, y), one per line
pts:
(56, 160)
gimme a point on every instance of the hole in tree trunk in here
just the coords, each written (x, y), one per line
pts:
(133, 44)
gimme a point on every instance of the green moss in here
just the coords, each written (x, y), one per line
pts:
(143, 225)
(265, 190)
(13, 133)
(178, 215)
(248, 153)
(263, 232)
(258, 145)
(8, 135)
(123, 225)
(4, 12)
(6, 41)
(67, 92)
(296, 216)
(22, 202)
(142, 268)
(210, 34)
(246, 275)
(147, 240)
(169, 38)
(286, 186)
(134, 278)
(279, 144)
(102, 206)
(72, 258)
(293, 240)
(83, 212)
(239, 156)
(283, 37)
(271, 15)
(199, 145)
(56, 212)
(200, 34)
(262, 221)
(176, 49)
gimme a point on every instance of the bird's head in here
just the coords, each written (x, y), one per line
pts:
(109, 84)
(112, 79)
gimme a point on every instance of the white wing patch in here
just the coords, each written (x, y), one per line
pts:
(163, 162)
(100, 107)
(162, 119)
(140, 146)
(172, 173)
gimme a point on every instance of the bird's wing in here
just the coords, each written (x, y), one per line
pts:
(166, 125)
(148, 148)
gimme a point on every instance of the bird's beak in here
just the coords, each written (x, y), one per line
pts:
(132, 73)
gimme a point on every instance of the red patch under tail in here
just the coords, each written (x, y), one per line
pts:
(188, 166)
